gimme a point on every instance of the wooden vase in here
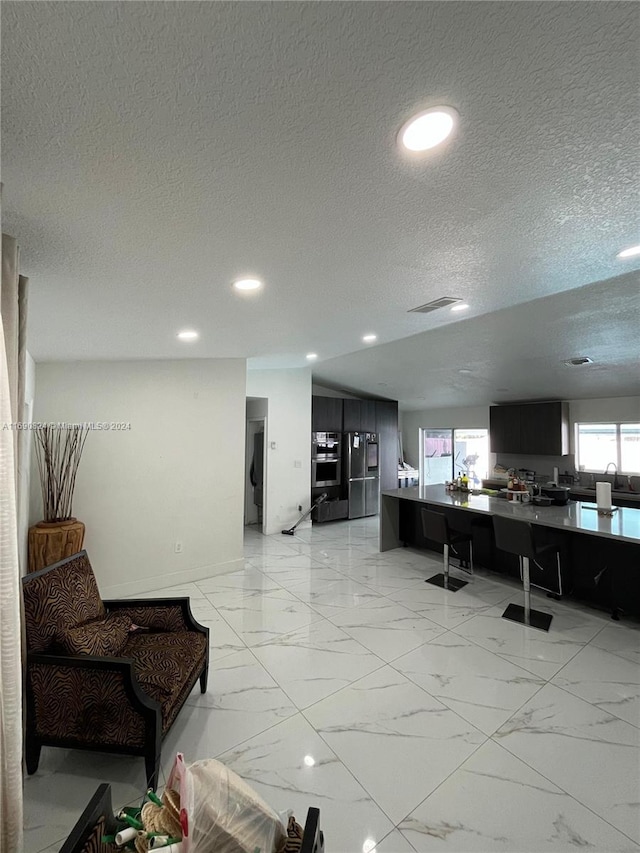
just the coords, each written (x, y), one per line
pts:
(50, 541)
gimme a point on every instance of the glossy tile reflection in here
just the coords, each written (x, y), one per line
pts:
(415, 718)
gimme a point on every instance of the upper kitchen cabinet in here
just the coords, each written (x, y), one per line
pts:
(368, 417)
(359, 415)
(504, 429)
(351, 415)
(326, 414)
(533, 429)
(544, 429)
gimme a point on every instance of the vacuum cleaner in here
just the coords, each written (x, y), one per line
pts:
(315, 504)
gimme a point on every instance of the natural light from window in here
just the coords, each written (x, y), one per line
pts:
(449, 452)
(599, 445)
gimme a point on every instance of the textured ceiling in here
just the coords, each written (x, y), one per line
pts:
(513, 354)
(154, 151)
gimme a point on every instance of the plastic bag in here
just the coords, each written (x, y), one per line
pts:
(220, 813)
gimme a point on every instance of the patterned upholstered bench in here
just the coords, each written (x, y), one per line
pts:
(96, 682)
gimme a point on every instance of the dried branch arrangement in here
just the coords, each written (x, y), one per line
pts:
(58, 452)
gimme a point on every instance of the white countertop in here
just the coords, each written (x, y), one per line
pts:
(576, 516)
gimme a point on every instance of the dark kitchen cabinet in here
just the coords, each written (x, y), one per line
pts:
(352, 415)
(359, 415)
(317, 413)
(504, 429)
(326, 414)
(387, 429)
(335, 414)
(532, 429)
(544, 429)
(368, 416)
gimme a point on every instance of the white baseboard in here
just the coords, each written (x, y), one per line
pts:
(124, 590)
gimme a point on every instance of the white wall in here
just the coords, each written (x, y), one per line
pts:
(177, 474)
(599, 409)
(603, 410)
(288, 464)
(25, 446)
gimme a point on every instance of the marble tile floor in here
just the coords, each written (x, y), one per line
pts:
(415, 718)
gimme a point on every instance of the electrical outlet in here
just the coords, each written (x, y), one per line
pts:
(178, 547)
(299, 507)
(297, 463)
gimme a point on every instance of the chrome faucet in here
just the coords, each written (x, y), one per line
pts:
(616, 484)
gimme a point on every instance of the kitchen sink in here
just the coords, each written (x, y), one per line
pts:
(615, 493)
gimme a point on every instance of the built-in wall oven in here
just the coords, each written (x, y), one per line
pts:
(325, 459)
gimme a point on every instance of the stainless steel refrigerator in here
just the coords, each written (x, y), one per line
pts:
(362, 473)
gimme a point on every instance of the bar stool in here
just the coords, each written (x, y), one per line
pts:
(518, 537)
(436, 527)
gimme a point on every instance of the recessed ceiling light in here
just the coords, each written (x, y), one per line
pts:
(462, 306)
(369, 339)
(247, 284)
(427, 129)
(188, 335)
(464, 370)
(309, 760)
(631, 252)
(312, 355)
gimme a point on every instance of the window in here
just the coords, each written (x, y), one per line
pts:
(445, 452)
(599, 445)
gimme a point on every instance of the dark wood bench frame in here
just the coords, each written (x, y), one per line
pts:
(140, 702)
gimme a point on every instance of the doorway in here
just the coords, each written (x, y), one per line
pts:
(255, 473)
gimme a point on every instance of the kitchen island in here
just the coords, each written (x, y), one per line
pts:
(600, 554)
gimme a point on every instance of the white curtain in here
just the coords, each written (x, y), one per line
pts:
(11, 817)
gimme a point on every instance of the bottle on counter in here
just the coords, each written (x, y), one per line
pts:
(465, 482)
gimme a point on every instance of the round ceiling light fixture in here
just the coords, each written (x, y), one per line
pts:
(247, 284)
(462, 306)
(311, 356)
(427, 129)
(631, 252)
(369, 339)
(188, 335)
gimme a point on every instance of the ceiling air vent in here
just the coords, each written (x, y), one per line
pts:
(443, 302)
(578, 362)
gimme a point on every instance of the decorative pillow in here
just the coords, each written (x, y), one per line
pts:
(104, 637)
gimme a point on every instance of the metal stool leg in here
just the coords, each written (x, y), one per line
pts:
(466, 566)
(525, 615)
(444, 580)
(526, 585)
